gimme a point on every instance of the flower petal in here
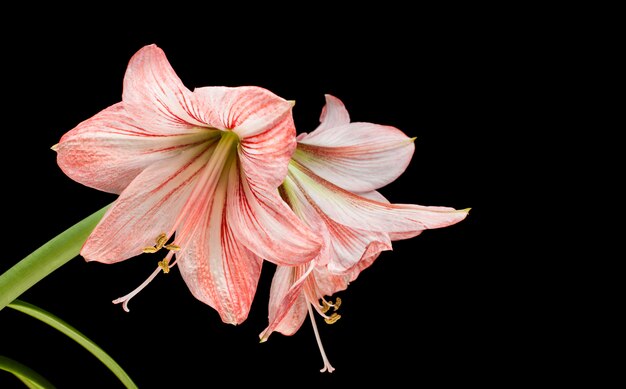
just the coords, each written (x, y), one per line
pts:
(110, 149)
(263, 122)
(376, 196)
(265, 225)
(359, 212)
(343, 247)
(334, 114)
(358, 157)
(351, 245)
(264, 157)
(328, 283)
(216, 267)
(155, 96)
(288, 304)
(310, 216)
(148, 207)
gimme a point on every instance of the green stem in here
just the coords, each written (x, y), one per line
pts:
(76, 335)
(46, 259)
(28, 376)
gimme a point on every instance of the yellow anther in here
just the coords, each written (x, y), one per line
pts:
(333, 318)
(325, 306)
(337, 304)
(160, 241)
(164, 264)
(172, 247)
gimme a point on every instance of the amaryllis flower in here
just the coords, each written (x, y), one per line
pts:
(203, 166)
(331, 185)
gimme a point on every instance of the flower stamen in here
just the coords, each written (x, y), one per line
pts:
(172, 247)
(161, 265)
(327, 305)
(164, 264)
(161, 241)
(332, 319)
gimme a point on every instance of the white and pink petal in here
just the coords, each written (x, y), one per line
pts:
(217, 268)
(109, 150)
(358, 212)
(334, 114)
(155, 96)
(263, 223)
(358, 157)
(288, 305)
(148, 207)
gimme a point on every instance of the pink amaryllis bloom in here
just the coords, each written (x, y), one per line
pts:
(331, 185)
(202, 166)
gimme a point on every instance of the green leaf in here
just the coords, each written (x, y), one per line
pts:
(29, 377)
(76, 335)
(46, 259)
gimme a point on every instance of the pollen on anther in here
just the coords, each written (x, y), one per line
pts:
(333, 318)
(150, 250)
(172, 247)
(160, 241)
(337, 304)
(164, 264)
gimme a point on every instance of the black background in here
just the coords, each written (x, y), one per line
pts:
(429, 311)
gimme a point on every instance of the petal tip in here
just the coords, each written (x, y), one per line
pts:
(55, 147)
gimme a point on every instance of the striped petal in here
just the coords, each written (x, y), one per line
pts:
(359, 212)
(218, 269)
(265, 225)
(288, 304)
(263, 122)
(109, 150)
(343, 247)
(358, 157)
(155, 96)
(149, 206)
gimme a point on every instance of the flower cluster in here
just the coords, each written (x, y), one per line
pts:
(217, 181)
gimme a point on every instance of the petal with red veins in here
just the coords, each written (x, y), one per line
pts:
(288, 304)
(155, 96)
(264, 157)
(217, 268)
(263, 223)
(300, 204)
(110, 149)
(350, 246)
(343, 247)
(247, 110)
(358, 212)
(358, 157)
(149, 206)
(327, 283)
(263, 122)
